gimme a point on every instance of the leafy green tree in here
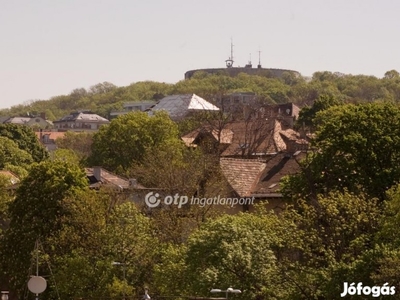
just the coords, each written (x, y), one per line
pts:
(38, 211)
(26, 140)
(78, 142)
(392, 74)
(308, 114)
(127, 138)
(240, 251)
(358, 148)
(11, 154)
(335, 233)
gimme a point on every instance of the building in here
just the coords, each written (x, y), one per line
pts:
(233, 71)
(247, 139)
(48, 138)
(132, 106)
(261, 178)
(36, 122)
(182, 106)
(80, 121)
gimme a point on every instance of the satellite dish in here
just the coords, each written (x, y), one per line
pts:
(37, 284)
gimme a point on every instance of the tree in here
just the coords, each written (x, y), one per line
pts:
(78, 142)
(334, 235)
(26, 140)
(391, 74)
(38, 211)
(11, 154)
(308, 114)
(127, 138)
(124, 236)
(357, 148)
(241, 251)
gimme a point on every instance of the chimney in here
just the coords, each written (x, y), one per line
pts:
(43, 115)
(97, 173)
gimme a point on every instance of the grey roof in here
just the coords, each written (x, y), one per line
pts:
(18, 120)
(179, 106)
(4, 118)
(82, 116)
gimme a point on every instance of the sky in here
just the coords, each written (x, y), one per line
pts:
(51, 47)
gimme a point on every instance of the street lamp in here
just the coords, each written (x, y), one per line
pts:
(4, 295)
(228, 290)
(117, 263)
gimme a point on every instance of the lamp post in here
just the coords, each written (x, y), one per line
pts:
(117, 263)
(227, 291)
(4, 295)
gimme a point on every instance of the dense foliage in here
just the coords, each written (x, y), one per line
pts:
(340, 223)
(105, 97)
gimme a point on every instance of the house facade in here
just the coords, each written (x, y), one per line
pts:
(80, 121)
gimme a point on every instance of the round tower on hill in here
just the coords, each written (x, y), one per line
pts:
(232, 71)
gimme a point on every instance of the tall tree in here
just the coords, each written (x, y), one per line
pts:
(239, 251)
(357, 148)
(127, 138)
(26, 140)
(38, 211)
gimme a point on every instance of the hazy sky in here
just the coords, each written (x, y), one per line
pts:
(50, 47)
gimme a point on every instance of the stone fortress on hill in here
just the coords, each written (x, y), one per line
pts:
(247, 69)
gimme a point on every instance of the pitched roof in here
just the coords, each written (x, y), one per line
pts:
(108, 178)
(18, 120)
(178, 106)
(51, 135)
(277, 167)
(256, 137)
(82, 116)
(260, 178)
(242, 174)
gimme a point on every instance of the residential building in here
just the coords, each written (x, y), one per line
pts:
(261, 178)
(181, 106)
(80, 121)
(36, 122)
(129, 188)
(132, 106)
(48, 138)
(247, 139)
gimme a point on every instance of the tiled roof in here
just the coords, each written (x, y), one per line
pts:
(179, 106)
(242, 174)
(246, 138)
(52, 135)
(253, 177)
(277, 167)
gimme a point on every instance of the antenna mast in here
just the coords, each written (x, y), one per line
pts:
(229, 61)
(259, 59)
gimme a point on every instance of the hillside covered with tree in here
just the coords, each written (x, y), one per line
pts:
(105, 97)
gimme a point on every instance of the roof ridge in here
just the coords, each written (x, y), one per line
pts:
(241, 159)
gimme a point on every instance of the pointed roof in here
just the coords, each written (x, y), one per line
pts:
(242, 174)
(178, 106)
(253, 137)
(260, 178)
